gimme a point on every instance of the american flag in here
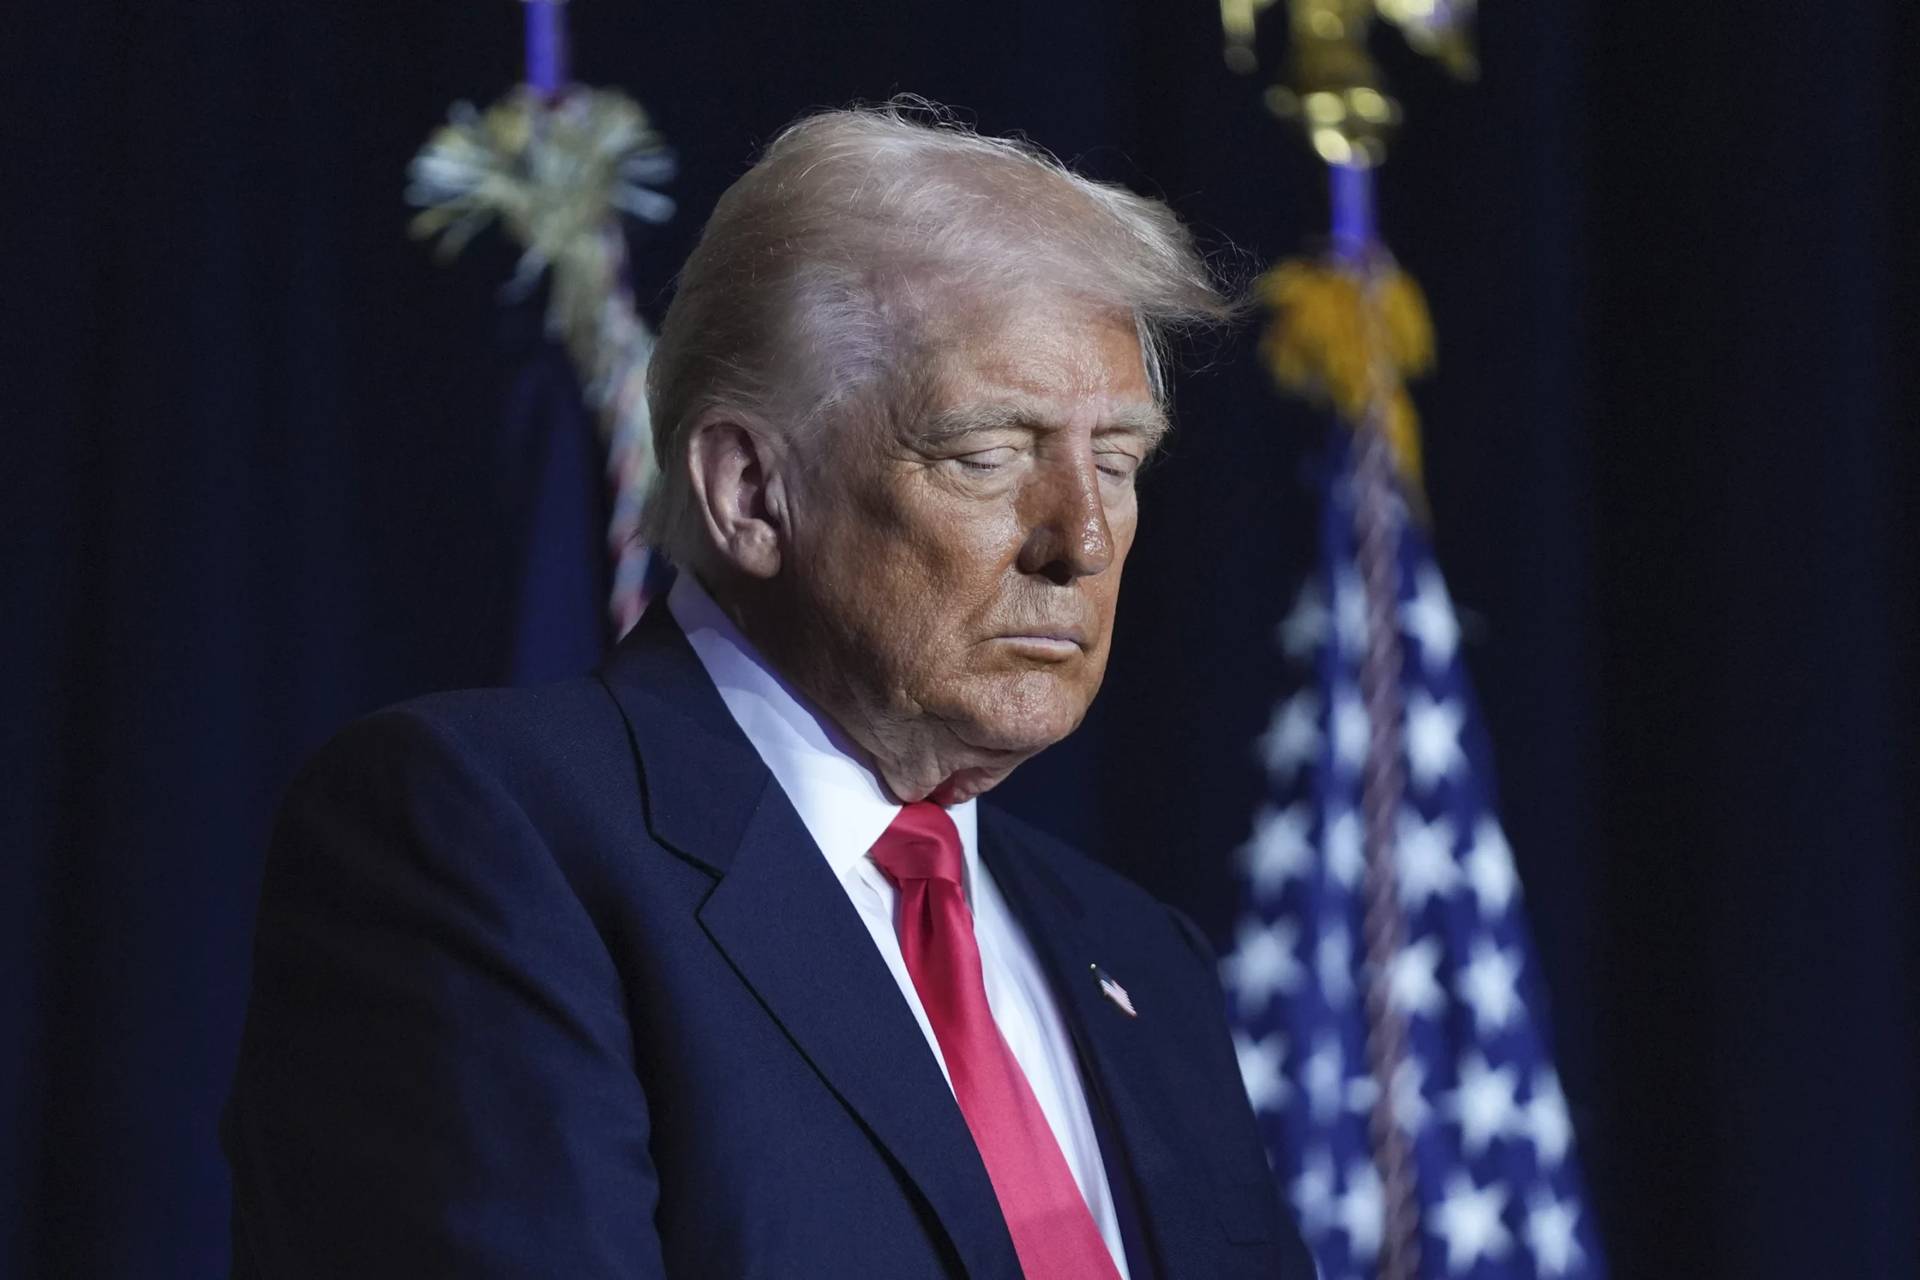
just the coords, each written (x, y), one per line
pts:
(1398, 1064)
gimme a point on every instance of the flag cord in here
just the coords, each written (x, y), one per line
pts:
(1377, 514)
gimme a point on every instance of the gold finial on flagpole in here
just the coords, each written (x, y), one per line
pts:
(1333, 87)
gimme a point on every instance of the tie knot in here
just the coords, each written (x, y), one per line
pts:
(921, 843)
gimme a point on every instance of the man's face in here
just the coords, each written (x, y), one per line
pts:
(961, 567)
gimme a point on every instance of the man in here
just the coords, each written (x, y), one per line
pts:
(711, 965)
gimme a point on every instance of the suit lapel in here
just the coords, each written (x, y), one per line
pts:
(1118, 1054)
(787, 928)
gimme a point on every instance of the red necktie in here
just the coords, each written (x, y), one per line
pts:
(1052, 1230)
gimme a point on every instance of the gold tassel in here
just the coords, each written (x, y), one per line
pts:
(1340, 338)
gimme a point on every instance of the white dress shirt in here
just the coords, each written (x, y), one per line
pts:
(845, 810)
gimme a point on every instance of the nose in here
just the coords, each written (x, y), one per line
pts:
(1066, 520)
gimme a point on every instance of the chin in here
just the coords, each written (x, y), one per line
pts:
(1023, 716)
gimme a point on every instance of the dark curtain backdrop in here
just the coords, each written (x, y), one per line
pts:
(268, 468)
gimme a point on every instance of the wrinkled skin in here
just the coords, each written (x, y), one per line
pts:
(942, 585)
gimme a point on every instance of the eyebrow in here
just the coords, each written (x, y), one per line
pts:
(1144, 420)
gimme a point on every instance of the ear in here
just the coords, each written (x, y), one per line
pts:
(736, 491)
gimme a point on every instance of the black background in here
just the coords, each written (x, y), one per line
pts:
(267, 467)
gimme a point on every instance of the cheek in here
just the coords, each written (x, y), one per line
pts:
(909, 589)
(946, 561)
(975, 538)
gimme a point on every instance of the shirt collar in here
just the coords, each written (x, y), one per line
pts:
(840, 801)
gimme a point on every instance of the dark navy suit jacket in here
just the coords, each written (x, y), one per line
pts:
(553, 982)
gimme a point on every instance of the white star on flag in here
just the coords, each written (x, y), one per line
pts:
(1346, 854)
(1488, 986)
(1313, 1192)
(1279, 849)
(1468, 1219)
(1546, 1121)
(1484, 1103)
(1550, 1237)
(1361, 1211)
(1263, 965)
(1413, 986)
(1490, 871)
(1350, 611)
(1425, 860)
(1351, 730)
(1325, 1075)
(1433, 739)
(1429, 618)
(1293, 735)
(1306, 625)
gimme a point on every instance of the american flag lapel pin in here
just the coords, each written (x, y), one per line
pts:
(1114, 991)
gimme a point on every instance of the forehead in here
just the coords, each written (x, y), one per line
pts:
(1068, 358)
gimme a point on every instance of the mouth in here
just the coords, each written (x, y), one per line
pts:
(1054, 643)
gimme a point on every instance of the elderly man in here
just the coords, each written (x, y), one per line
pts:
(712, 965)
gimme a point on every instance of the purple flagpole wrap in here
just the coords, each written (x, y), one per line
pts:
(1351, 199)
(547, 46)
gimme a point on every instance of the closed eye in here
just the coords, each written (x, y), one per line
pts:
(986, 460)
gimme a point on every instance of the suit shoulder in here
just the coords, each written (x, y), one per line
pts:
(487, 783)
(496, 719)
(518, 737)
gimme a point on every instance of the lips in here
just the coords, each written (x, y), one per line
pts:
(1060, 638)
